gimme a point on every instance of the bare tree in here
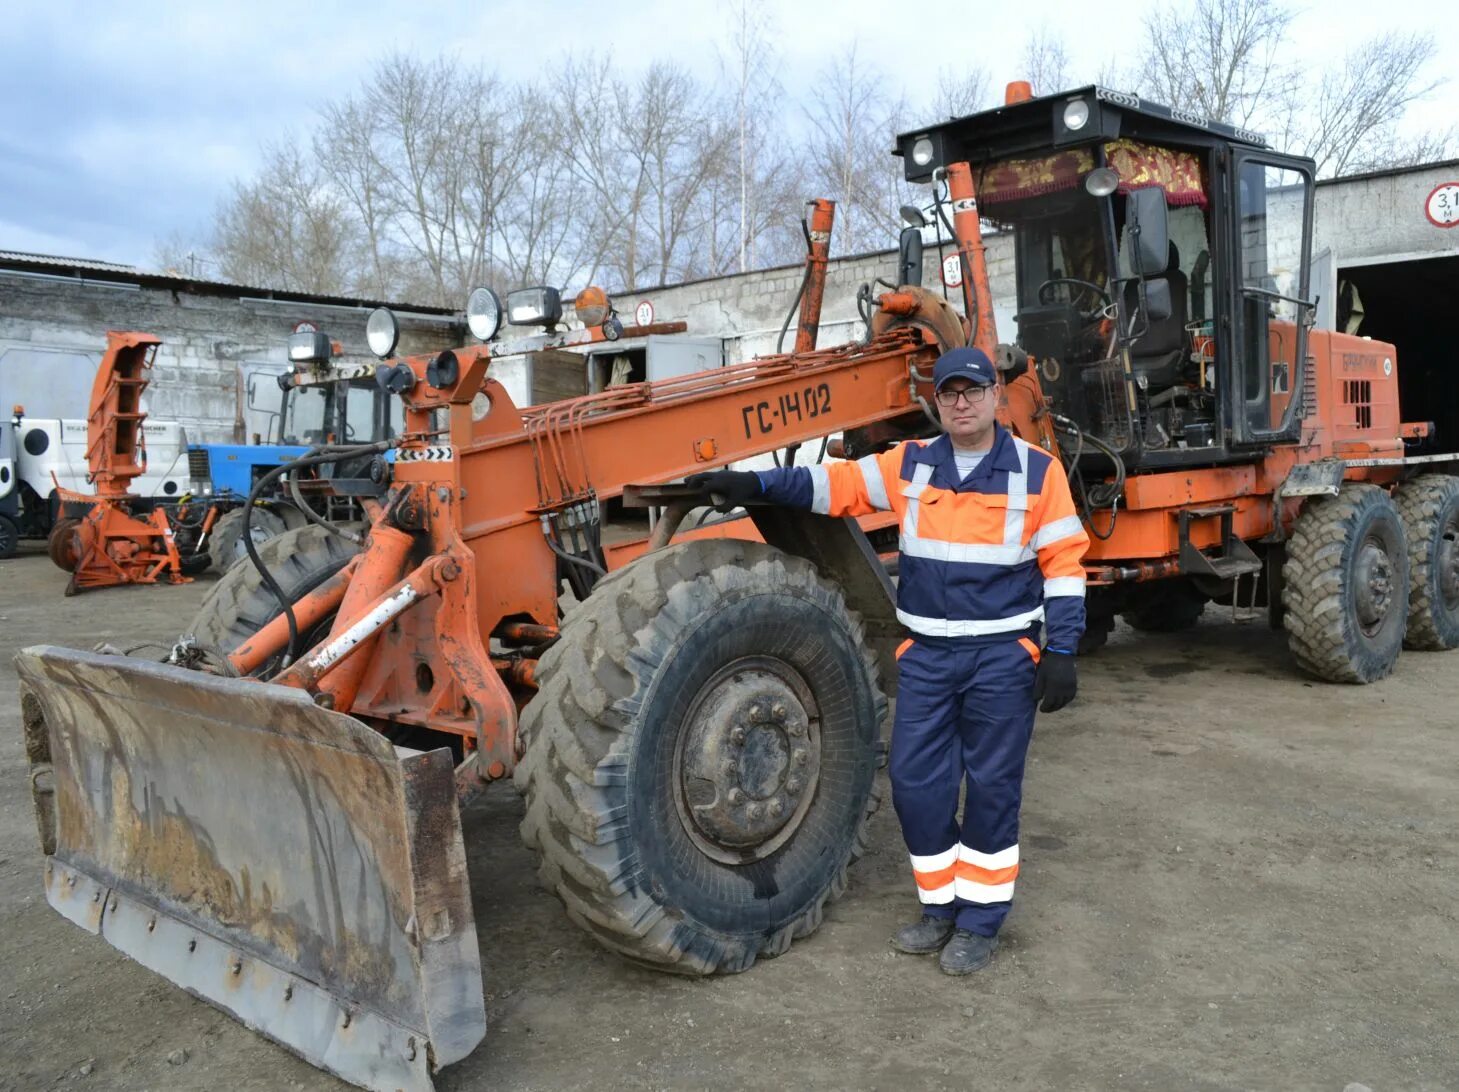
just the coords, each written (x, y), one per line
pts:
(852, 123)
(288, 229)
(960, 93)
(347, 143)
(1222, 59)
(750, 67)
(1046, 62)
(1358, 104)
(178, 254)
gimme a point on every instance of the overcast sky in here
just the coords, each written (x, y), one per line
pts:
(121, 124)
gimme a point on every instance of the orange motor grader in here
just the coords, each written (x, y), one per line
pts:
(270, 818)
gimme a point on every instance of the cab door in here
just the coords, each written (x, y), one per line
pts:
(1269, 294)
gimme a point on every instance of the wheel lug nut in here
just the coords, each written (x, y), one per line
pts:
(779, 711)
(731, 768)
(756, 810)
(736, 797)
(793, 786)
(777, 807)
(799, 757)
(737, 735)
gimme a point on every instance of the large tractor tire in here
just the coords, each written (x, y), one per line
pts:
(240, 604)
(1167, 606)
(225, 547)
(1429, 506)
(61, 544)
(1346, 585)
(700, 758)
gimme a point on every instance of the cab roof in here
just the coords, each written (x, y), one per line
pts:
(1039, 125)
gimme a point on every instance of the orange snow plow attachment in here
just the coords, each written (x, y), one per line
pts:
(282, 861)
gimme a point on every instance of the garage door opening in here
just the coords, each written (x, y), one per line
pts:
(1411, 304)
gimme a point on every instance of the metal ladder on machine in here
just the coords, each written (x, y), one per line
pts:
(1234, 560)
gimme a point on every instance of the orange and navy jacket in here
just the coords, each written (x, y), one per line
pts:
(982, 560)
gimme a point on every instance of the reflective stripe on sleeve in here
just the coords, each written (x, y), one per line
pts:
(945, 627)
(1064, 585)
(876, 486)
(1056, 531)
(820, 490)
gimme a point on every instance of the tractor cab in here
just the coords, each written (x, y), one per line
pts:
(1160, 267)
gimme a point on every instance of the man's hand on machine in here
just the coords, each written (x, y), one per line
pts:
(1056, 682)
(728, 488)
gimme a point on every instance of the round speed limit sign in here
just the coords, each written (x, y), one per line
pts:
(643, 314)
(1442, 207)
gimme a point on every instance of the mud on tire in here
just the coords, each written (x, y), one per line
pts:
(659, 704)
(1346, 585)
(1429, 506)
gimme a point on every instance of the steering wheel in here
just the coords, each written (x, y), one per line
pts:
(1083, 288)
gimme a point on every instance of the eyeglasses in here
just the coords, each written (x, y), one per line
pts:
(972, 395)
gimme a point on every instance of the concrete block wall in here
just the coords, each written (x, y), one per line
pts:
(209, 342)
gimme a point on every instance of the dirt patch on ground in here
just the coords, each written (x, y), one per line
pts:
(1231, 878)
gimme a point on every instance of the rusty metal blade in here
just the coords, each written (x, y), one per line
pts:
(279, 860)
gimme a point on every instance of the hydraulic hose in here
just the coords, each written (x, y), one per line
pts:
(313, 457)
(312, 516)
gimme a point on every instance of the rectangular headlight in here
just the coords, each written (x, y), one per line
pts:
(309, 346)
(539, 306)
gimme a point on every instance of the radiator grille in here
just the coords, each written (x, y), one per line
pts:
(1358, 393)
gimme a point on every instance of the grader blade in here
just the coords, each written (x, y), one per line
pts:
(279, 860)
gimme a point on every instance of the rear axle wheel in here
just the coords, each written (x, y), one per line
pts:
(1429, 506)
(1345, 584)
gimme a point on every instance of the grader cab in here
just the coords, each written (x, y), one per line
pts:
(270, 818)
(1221, 447)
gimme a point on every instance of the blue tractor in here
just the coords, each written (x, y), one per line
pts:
(319, 403)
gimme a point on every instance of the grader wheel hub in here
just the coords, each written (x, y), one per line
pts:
(1448, 563)
(748, 759)
(1374, 591)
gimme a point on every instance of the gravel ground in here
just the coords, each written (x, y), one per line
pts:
(1232, 878)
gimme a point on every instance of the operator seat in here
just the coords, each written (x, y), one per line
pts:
(1160, 356)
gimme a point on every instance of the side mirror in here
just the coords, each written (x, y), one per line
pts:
(909, 257)
(1149, 221)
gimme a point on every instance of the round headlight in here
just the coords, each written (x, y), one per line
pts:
(382, 331)
(483, 313)
(1102, 181)
(1076, 114)
(922, 151)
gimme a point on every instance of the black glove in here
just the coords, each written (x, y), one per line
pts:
(1056, 682)
(729, 488)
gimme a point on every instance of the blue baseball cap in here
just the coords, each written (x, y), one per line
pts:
(969, 363)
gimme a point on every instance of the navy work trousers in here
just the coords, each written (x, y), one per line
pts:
(964, 712)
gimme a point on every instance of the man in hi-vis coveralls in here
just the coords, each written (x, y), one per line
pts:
(990, 557)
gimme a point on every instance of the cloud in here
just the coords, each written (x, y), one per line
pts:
(122, 124)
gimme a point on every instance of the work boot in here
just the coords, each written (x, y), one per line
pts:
(923, 937)
(966, 952)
